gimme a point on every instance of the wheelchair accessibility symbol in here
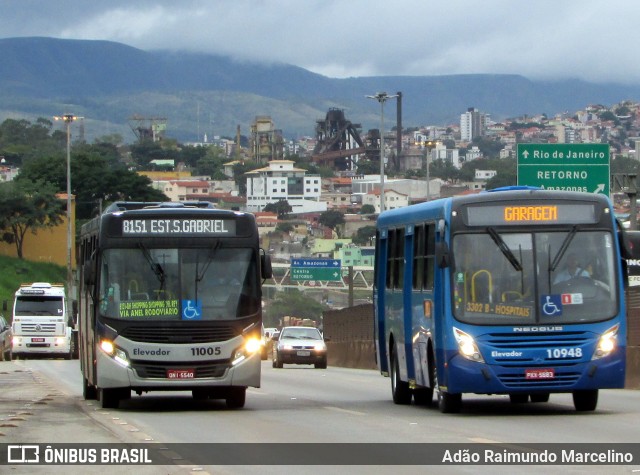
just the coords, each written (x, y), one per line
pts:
(192, 310)
(551, 305)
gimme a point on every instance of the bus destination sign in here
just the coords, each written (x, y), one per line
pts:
(530, 214)
(178, 227)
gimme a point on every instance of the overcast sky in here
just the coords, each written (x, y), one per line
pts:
(592, 40)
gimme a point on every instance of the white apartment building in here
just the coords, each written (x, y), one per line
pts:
(392, 199)
(441, 152)
(472, 124)
(279, 181)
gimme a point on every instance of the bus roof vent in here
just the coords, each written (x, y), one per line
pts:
(181, 204)
(118, 206)
(514, 188)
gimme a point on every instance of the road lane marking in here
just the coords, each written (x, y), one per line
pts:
(345, 411)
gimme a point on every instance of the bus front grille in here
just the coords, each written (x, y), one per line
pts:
(179, 334)
(519, 381)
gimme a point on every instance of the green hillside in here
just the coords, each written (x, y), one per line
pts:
(14, 271)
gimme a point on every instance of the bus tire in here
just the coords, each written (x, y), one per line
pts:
(539, 397)
(199, 395)
(89, 392)
(519, 398)
(109, 398)
(236, 398)
(585, 400)
(399, 389)
(447, 403)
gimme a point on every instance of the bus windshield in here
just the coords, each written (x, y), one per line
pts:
(534, 277)
(178, 284)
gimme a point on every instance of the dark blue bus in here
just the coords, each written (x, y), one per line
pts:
(517, 291)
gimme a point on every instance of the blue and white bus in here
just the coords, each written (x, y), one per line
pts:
(516, 291)
(170, 299)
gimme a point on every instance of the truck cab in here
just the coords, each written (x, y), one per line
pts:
(42, 321)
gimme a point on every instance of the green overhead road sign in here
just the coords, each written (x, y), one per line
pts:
(316, 273)
(572, 167)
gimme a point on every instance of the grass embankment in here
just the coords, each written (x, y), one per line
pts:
(14, 272)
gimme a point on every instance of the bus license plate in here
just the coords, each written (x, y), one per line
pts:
(37, 340)
(304, 353)
(181, 373)
(539, 373)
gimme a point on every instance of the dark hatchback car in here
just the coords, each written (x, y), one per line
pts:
(299, 345)
(6, 340)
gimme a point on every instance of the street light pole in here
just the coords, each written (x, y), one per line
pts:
(68, 119)
(382, 97)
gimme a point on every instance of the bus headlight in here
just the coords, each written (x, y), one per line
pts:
(251, 345)
(467, 346)
(607, 343)
(116, 353)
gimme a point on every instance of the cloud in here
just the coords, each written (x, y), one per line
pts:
(547, 39)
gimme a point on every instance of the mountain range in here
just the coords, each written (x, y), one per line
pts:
(108, 83)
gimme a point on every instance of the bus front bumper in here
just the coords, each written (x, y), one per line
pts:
(167, 376)
(464, 376)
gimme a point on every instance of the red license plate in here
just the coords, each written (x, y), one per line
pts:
(181, 373)
(37, 340)
(539, 373)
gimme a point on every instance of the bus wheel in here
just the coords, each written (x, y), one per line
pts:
(518, 398)
(399, 389)
(423, 396)
(539, 397)
(236, 398)
(88, 391)
(200, 394)
(109, 398)
(586, 400)
(447, 403)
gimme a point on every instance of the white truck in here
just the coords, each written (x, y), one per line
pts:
(43, 323)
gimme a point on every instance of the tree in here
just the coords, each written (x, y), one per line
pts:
(27, 206)
(331, 219)
(282, 208)
(364, 236)
(293, 303)
(367, 209)
(94, 178)
(284, 227)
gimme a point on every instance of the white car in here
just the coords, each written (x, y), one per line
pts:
(299, 345)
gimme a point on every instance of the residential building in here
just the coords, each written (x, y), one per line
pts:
(392, 199)
(281, 181)
(472, 124)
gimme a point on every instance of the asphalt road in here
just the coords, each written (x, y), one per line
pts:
(300, 404)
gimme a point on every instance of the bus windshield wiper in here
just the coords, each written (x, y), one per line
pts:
(563, 249)
(200, 274)
(505, 249)
(155, 266)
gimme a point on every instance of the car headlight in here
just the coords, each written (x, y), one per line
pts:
(467, 346)
(607, 343)
(320, 347)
